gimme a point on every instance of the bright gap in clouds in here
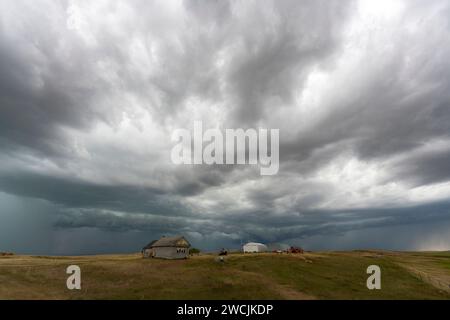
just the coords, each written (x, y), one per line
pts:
(381, 9)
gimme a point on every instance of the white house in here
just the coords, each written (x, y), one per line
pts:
(254, 247)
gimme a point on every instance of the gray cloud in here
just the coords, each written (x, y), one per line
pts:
(91, 92)
(428, 168)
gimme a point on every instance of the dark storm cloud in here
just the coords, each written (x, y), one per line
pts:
(428, 168)
(261, 226)
(397, 102)
(91, 92)
(390, 116)
(277, 55)
(78, 194)
(41, 90)
(312, 223)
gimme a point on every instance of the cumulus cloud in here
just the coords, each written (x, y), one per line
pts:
(90, 93)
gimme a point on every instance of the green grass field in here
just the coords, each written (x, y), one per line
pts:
(320, 275)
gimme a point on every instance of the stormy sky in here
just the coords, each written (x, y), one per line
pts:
(91, 91)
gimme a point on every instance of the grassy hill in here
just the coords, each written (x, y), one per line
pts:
(321, 275)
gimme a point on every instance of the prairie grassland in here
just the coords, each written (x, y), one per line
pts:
(320, 275)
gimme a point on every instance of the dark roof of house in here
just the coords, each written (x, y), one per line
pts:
(149, 245)
(171, 242)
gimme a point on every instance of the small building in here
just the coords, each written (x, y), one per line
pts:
(254, 247)
(167, 248)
